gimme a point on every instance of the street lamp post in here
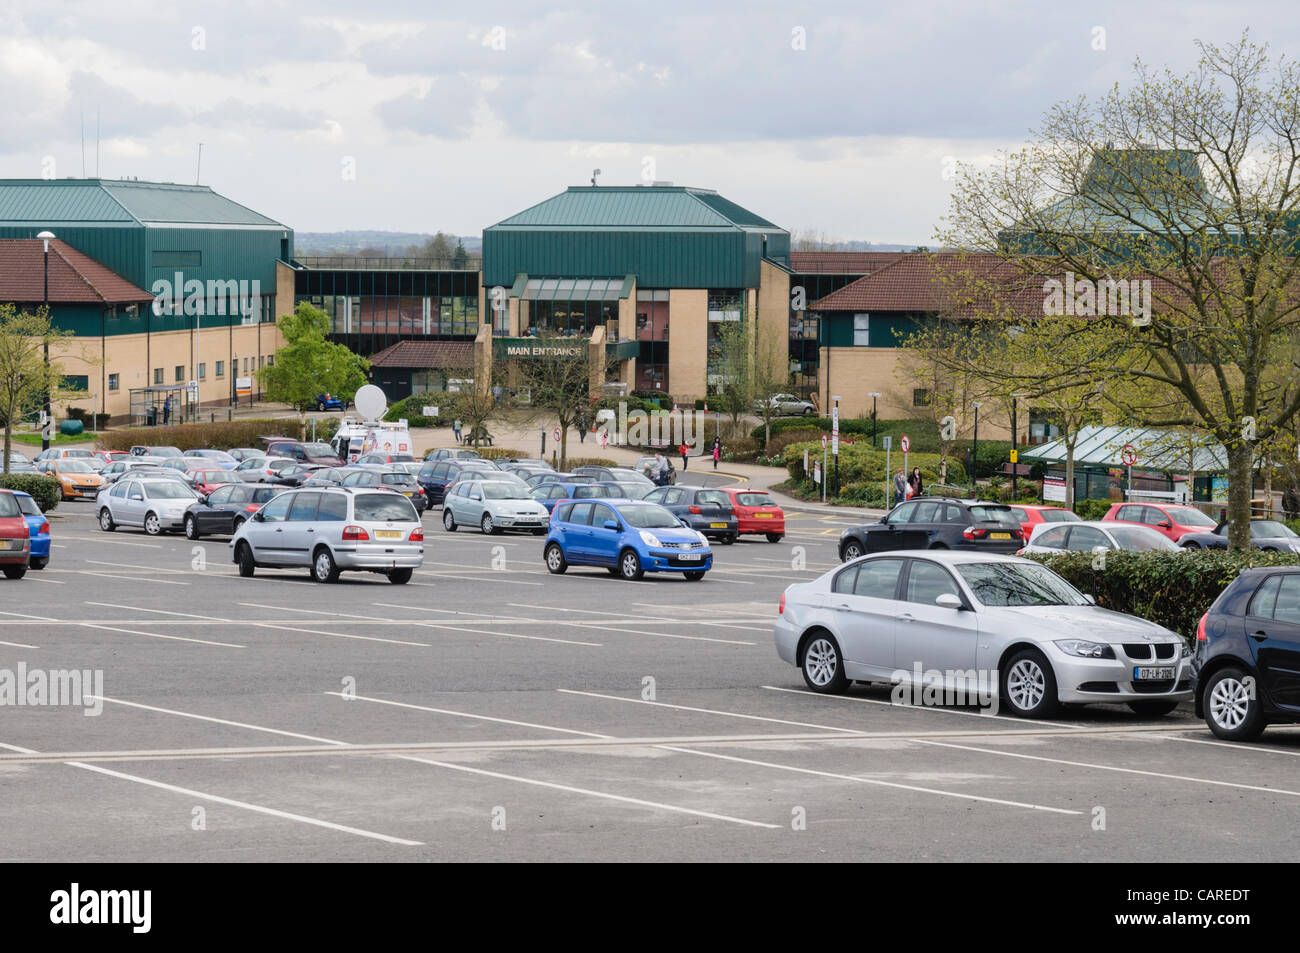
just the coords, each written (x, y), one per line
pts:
(873, 395)
(975, 453)
(234, 396)
(1015, 463)
(47, 425)
(835, 438)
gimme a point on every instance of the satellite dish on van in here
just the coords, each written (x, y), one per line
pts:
(371, 402)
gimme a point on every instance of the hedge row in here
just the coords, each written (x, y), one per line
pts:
(500, 453)
(1171, 589)
(861, 464)
(218, 436)
(409, 409)
(44, 489)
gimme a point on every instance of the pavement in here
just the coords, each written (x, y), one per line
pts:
(489, 710)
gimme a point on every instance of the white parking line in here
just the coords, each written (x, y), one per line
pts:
(184, 615)
(101, 539)
(218, 721)
(705, 711)
(341, 615)
(19, 645)
(230, 802)
(1108, 767)
(464, 714)
(117, 565)
(157, 635)
(1065, 728)
(506, 635)
(136, 578)
(1235, 745)
(337, 635)
(873, 781)
(488, 574)
(24, 615)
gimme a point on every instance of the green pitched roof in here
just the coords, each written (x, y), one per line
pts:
(65, 202)
(634, 208)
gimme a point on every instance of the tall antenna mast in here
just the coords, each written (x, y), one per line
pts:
(198, 168)
(83, 142)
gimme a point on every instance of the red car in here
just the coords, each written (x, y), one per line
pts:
(1031, 516)
(15, 538)
(105, 457)
(1174, 520)
(205, 481)
(757, 513)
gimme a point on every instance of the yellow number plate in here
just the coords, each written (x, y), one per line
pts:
(388, 534)
(763, 516)
(999, 535)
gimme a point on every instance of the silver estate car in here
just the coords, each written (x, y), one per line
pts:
(156, 504)
(950, 618)
(331, 530)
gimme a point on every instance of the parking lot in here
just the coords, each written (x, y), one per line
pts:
(490, 710)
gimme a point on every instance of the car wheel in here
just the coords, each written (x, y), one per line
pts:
(1029, 686)
(1192, 546)
(807, 411)
(320, 406)
(486, 525)
(400, 577)
(1232, 710)
(244, 559)
(15, 572)
(1152, 709)
(775, 537)
(106, 521)
(729, 539)
(629, 565)
(448, 521)
(540, 531)
(555, 561)
(850, 551)
(191, 528)
(695, 576)
(152, 525)
(40, 562)
(323, 567)
(239, 521)
(823, 665)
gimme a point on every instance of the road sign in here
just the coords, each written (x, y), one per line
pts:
(1015, 456)
(1129, 455)
(556, 434)
(823, 441)
(904, 443)
(817, 472)
(886, 442)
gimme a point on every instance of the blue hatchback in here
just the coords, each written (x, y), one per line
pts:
(627, 537)
(38, 526)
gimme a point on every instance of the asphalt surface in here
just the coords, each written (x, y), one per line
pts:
(504, 713)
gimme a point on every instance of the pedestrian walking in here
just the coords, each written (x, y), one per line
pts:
(717, 452)
(455, 429)
(167, 410)
(915, 482)
(660, 470)
(900, 486)
(604, 438)
(582, 428)
(685, 450)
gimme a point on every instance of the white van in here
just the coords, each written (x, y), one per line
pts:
(355, 437)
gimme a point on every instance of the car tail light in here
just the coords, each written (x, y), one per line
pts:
(355, 533)
(417, 534)
(695, 509)
(1020, 552)
(44, 530)
(780, 610)
(974, 532)
(1200, 629)
(252, 507)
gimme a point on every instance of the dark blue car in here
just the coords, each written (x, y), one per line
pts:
(1247, 661)
(38, 526)
(550, 493)
(330, 402)
(627, 537)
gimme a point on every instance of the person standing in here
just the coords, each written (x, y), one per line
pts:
(455, 429)
(582, 428)
(604, 438)
(900, 486)
(167, 410)
(915, 482)
(685, 451)
(717, 452)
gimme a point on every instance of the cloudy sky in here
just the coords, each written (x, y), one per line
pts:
(410, 116)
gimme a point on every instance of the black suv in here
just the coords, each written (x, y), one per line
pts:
(1247, 661)
(707, 510)
(937, 523)
(436, 475)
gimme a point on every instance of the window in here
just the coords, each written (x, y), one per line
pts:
(862, 330)
(157, 375)
(276, 510)
(1084, 538)
(901, 514)
(878, 578)
(180, 372)
(178, 259)
(221, 368)
(113, 382)
(1287, 607)
(1053, 538)
(1262, 605)
(920, 397)
(203, 371)
(927, 581)
(333, 507)
(927, 513)
(304, 507)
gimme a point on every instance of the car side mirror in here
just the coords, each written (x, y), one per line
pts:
(1090, 598)
(685, 522)
(258, 517)
(948, 601)
(611, 524)
(1165, 524)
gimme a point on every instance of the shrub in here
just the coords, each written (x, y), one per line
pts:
(574, 462)
(740, 449)
(863, 494)
(860, 464)
(409, 409)
(1171, 589)
(218, 436)
(500, 453)
(44, 489)
(776, 446)
(1091, 509)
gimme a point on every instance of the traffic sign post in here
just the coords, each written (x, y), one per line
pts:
(556, 434)
(835, 442)
(889, 479)
(906, 445)
(1129, 457)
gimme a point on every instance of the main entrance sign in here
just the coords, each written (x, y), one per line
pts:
(531, 348)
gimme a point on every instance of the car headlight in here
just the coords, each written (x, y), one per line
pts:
(1186, 652)
(1085, 649)
(649, 538)
(1295, 547)
(702, 538)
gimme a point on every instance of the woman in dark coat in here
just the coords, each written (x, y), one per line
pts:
(915, 482)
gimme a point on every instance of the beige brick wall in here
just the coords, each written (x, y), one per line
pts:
(774, 317)
(688, 320)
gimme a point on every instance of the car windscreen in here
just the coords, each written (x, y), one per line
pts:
(75, 466)
(1190, 516)
(28, 506)
(1058, 516)
(754, 499)
(994, 514)
(8, 505)
(1139, 539)
(319, 450)
(381, 507)
(211, 476)
(504, 491)
(648, 516)
(1269, 529)
(164, 452)
(168, 491)
(1017, 584)
(398, 479)
(630, 476)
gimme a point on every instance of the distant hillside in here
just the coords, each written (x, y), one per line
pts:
(351, 242)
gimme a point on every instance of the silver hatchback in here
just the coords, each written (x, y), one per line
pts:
(331, 530)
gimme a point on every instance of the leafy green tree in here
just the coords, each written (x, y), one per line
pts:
(24, 378)
(309, 364)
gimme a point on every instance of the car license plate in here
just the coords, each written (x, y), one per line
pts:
(388, 534)
(999, 535)
(763, 516)
(1141, 674)
(691, 557)
(717, 526)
